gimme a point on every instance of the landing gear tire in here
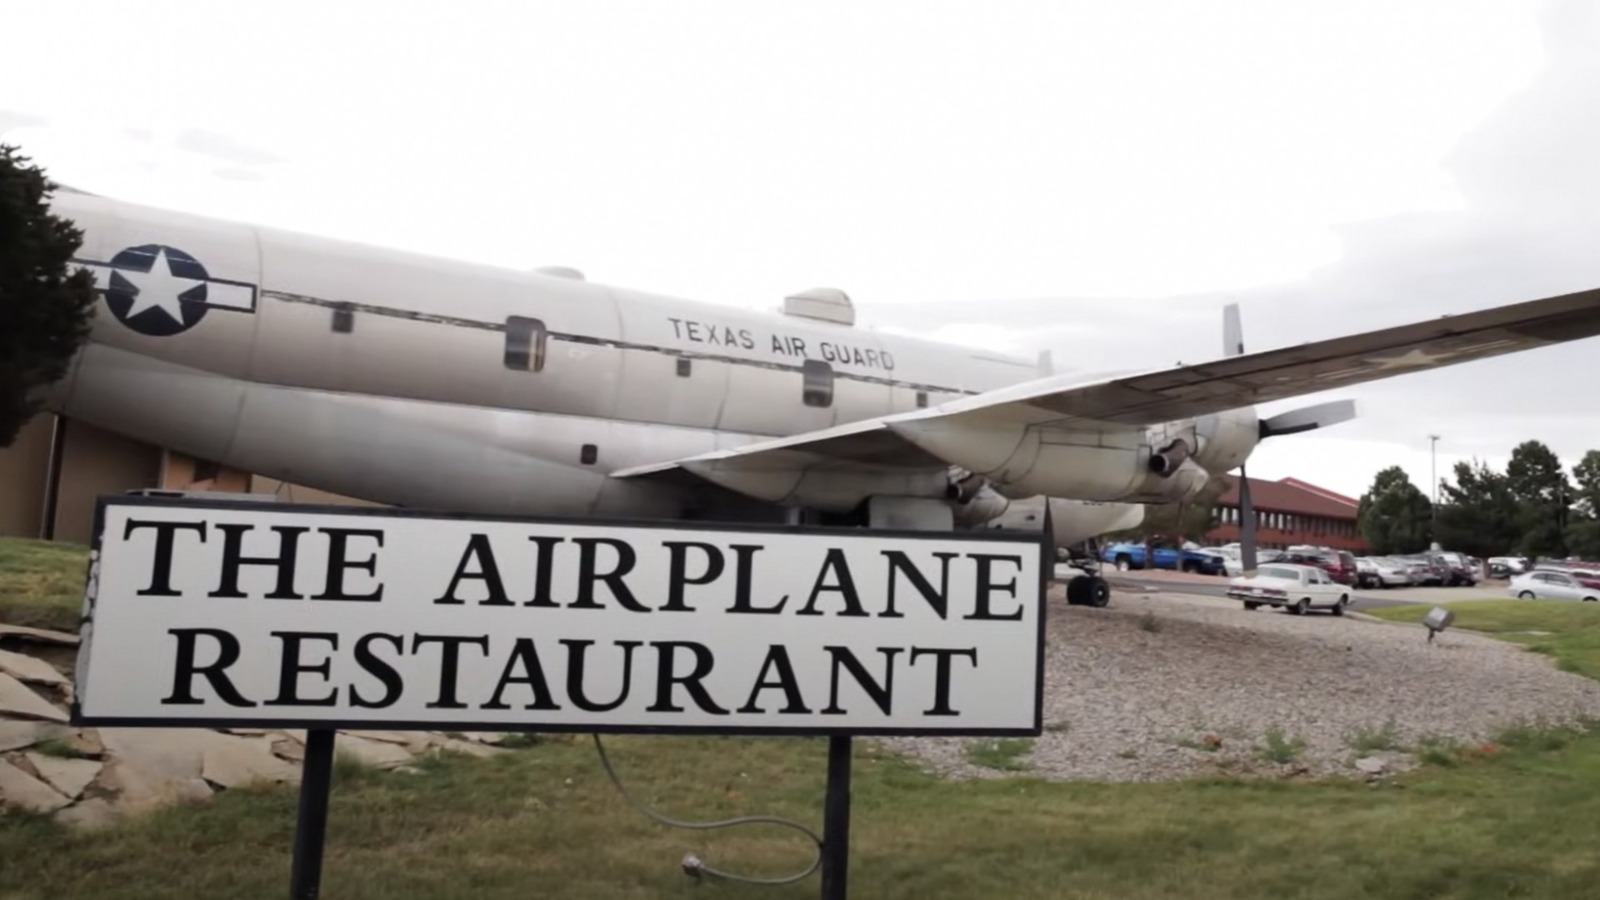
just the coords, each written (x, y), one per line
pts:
(1088, 590)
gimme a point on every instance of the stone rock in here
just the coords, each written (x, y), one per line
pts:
(39, 635)
(372, 753)
(21, 735)
(170, 752)
(238, 763)
(1371, 765)
(487, 737)
(27, 668)
(69, 776)
(249, 732)
(91, 813)
(18, 788)
(139, 791)
(19, 700)
(289, 749)
(388, 737)
(87, 742)
(471, 748)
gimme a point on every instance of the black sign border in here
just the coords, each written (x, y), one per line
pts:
(106, 501)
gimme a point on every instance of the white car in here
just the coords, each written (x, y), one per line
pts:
(1394, 572)
(1299, 588)
(1545, 585)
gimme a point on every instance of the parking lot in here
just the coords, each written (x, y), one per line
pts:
(1153, 580)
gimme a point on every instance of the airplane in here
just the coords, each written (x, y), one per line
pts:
(413, 380)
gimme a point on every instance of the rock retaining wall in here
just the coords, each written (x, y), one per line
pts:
(94, 776)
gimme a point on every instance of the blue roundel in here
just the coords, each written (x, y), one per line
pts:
(157, 290)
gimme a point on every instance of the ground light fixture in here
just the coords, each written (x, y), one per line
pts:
(1437, 620)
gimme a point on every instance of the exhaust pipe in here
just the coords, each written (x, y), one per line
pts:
(1167, 460)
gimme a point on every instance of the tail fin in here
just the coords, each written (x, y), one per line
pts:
(1232, 331)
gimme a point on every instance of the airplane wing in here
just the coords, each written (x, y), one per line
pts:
(1164, 395)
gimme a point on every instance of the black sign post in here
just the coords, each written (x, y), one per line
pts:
(836, 820)
(311, 827)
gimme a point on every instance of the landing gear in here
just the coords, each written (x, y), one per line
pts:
(1088, 590)
(1085, 587)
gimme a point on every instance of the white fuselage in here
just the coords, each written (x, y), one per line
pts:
(418, 381)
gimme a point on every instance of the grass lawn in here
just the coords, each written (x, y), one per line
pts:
(1522, 820)
(41, 583)
(1566, 630)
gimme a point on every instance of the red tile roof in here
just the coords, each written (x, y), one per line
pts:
(1322, 491)
(1290, 495)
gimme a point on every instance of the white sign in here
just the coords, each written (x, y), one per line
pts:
(252, 614)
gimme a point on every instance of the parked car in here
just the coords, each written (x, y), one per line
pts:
(1585, 577)
(1339, 564)
(1299, 588)
(1515, 565)
(1544, 584)
(1394, 572)
(1459, 569)
(1435, 571)
(1130, 555)
(1367, 572)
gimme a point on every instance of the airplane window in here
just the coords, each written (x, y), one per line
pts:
(588, 454)
(922, 399)
(818, 383)
(683, 367)
(524, 344)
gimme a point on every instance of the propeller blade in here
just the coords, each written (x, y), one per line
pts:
(1308, 418)
(1247, 525)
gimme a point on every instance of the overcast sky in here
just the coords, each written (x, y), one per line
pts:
(1093, 178)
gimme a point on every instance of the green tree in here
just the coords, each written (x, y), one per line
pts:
(1394, 515)
(1583, 522)
(1544, 496)
(1586, 496)
(1479, 513)
(44, 309)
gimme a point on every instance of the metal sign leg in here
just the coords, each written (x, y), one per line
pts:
(311, 828)
(836, 820)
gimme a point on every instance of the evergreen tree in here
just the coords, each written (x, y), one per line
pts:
(44, 309)
(1583, 521)
(1479, 513)
(1394, 515)
(1543, 495)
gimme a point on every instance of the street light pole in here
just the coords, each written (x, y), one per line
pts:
(1433, 510)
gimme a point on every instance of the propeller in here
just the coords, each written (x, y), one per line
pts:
(1295, 421)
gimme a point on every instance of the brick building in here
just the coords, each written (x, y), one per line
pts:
(1289, 512)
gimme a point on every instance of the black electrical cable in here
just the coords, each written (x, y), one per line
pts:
(692, 864)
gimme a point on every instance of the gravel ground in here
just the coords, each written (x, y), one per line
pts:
(1160, 686)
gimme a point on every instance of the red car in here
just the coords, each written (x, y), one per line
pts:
(1339, 564)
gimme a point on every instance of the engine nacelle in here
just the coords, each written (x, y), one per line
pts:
(1071, 521)
(1023, 461)
(1226, 439)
